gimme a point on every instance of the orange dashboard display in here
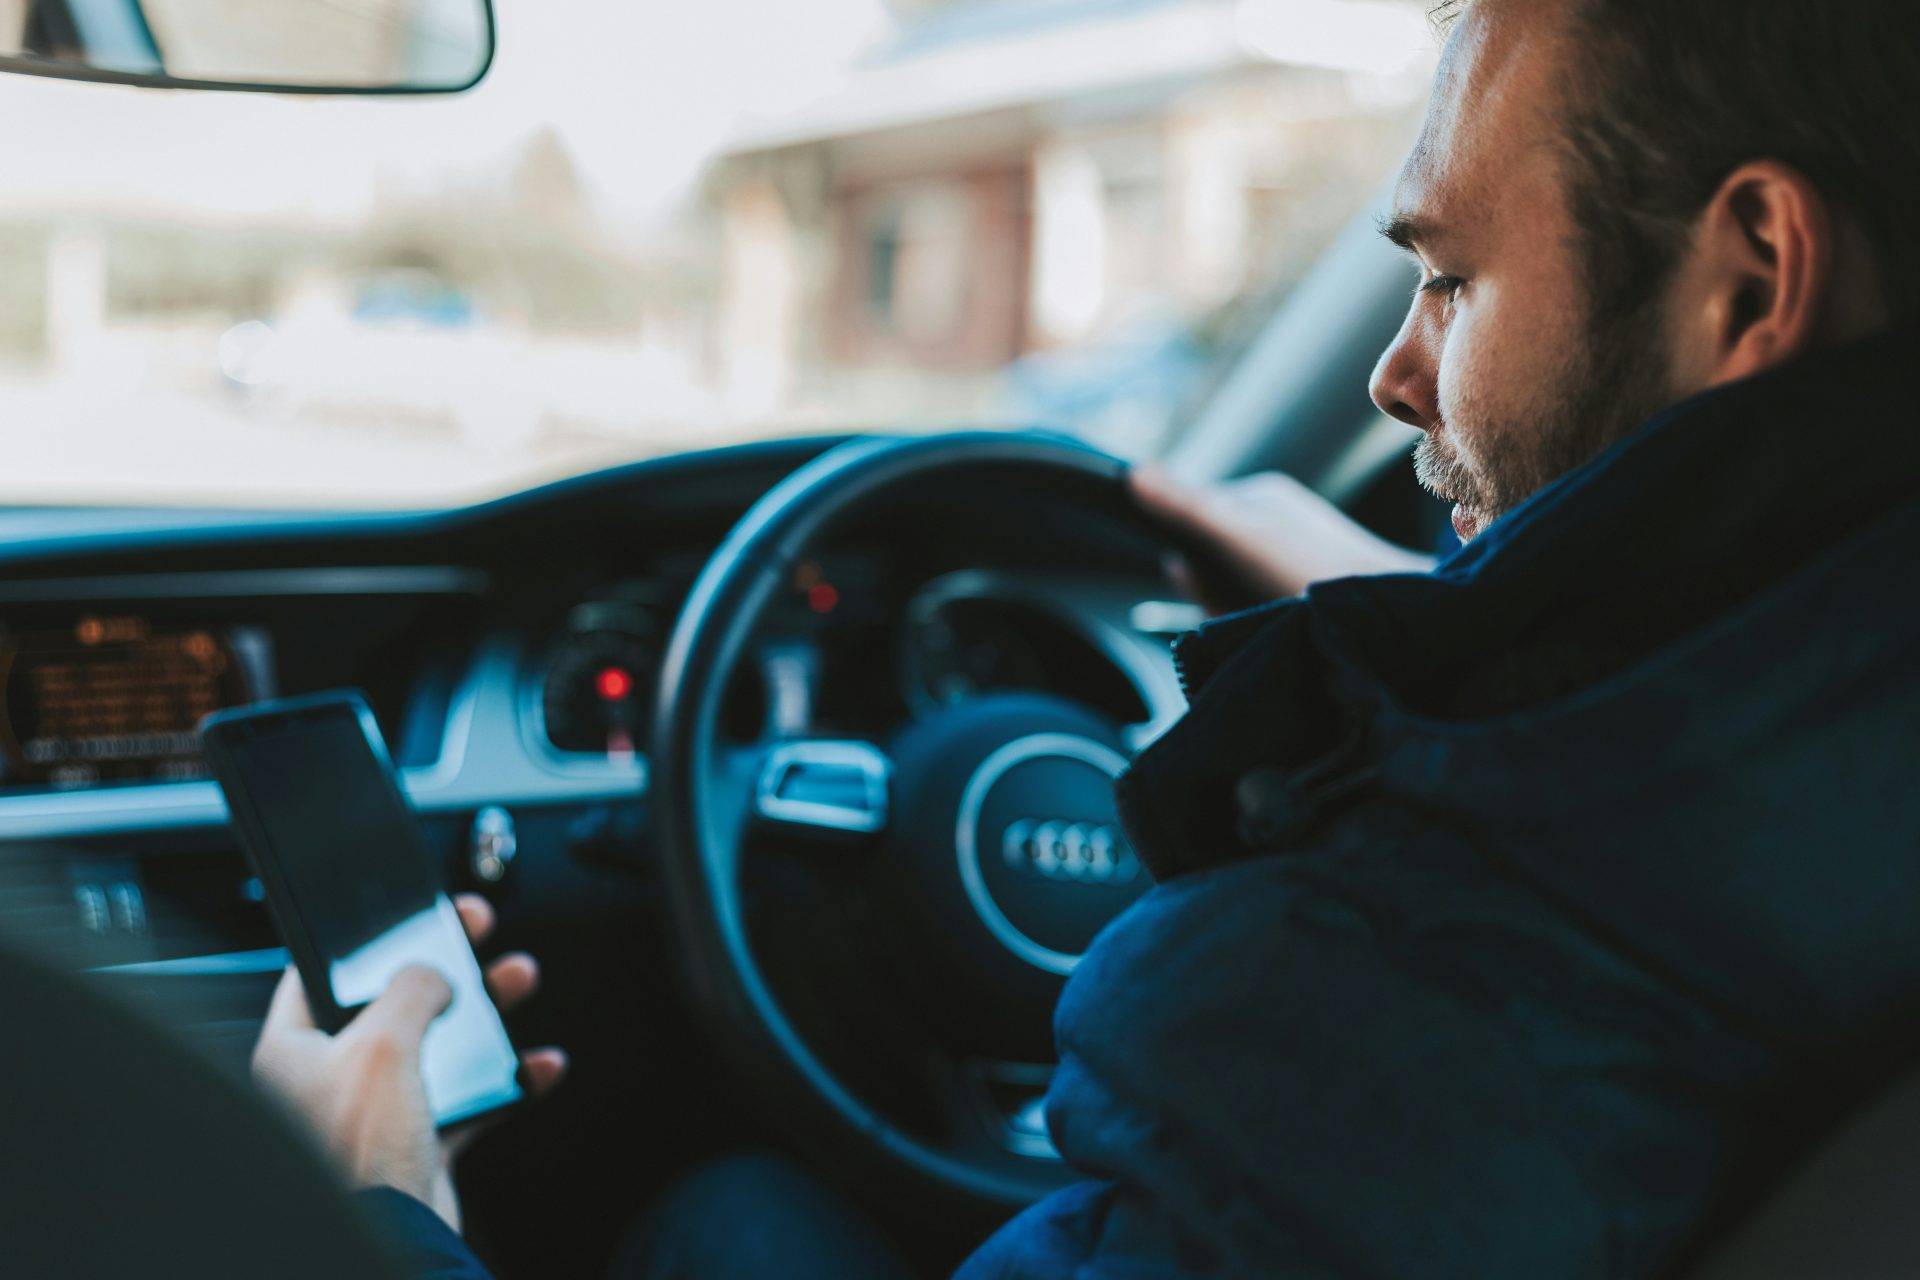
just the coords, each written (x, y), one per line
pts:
(114, 697)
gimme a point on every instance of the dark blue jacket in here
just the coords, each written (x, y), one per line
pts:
(1528, 918)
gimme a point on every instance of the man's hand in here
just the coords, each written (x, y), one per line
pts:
(361, 1091)
(1274, 535)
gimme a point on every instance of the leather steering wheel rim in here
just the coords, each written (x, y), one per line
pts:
(727, 602)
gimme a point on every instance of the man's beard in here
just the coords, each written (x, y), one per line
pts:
(1610, 383)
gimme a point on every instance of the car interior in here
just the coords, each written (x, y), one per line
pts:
(699, 725)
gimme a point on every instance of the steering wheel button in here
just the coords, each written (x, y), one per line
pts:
(833, 786)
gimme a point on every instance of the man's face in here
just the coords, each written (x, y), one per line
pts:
(1501, 361)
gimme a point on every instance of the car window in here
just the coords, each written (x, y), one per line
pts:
(664, 226)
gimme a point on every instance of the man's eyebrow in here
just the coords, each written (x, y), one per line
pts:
(1405, 231)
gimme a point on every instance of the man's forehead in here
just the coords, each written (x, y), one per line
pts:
(1492, 121)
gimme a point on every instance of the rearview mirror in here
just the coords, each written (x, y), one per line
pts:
(265, 46)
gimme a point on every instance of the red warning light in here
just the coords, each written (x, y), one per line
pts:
(613, 684)
(823, 597)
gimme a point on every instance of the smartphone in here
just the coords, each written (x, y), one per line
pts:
(320, 815)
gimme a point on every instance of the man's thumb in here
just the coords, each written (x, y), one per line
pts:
(416, 996)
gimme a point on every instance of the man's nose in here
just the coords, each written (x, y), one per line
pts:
(1404, 382)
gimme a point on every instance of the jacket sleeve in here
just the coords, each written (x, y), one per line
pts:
(1355, 1067)
(423, 1246)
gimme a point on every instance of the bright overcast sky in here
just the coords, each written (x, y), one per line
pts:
(640, 90)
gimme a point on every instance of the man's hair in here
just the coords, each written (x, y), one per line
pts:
(1674, 95)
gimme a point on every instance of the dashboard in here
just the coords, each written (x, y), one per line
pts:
(511, 652)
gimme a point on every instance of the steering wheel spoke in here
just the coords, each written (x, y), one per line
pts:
(828, 786)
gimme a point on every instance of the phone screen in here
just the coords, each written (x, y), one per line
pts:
(340, 854)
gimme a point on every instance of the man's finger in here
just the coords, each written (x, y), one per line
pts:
(512, 978)
(1182, 577)
(544, 1068)
(288, 1009)
(1222, 561)
(476, 916)
(416, 996)
(1166, 495)
(1224, 517)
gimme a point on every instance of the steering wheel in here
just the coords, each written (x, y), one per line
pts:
(995, 819)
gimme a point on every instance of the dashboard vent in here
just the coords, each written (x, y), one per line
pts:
(49, 909)
(88, 907)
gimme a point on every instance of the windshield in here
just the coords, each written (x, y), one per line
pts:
(661, 226)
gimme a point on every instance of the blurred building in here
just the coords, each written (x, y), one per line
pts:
(1002, 178)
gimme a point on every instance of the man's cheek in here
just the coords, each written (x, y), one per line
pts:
(1460, 392)
(1482, 376)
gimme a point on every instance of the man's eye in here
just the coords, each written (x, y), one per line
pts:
(1445, 286)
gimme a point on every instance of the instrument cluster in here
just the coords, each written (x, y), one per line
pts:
(847, 651)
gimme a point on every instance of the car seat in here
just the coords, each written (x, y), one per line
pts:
(123, 1154)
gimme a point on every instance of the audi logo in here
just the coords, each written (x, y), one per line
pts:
(1083, 852)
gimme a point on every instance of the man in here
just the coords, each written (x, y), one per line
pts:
(1532, 916)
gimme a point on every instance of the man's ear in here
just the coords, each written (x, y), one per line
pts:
(1763, 269)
